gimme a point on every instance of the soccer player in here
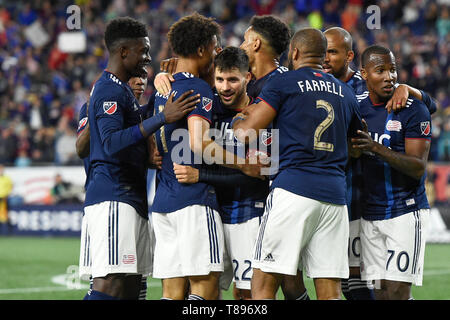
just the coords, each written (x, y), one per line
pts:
(337, 62)
(306, 215)
(137, 85)
(115, 233)
(265, 40)
(396, 208)
(241, 198)
(188, 230)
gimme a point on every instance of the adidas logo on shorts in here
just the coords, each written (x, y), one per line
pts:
(269, 258)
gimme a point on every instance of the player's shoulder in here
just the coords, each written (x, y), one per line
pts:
(187, 81)
(415, 106)
(108, 86)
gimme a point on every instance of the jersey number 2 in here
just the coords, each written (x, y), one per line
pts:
(320, 145)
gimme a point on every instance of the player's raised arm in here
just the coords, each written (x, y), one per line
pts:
(201, 144)
(253, 118)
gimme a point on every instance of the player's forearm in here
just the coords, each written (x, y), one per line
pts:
(214, 153)
(225, 177)
(83, 144)
(119, 140)
(406, 164)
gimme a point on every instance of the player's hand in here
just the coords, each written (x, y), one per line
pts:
(175, 110)
(399, 98)
(168, 65)
(185, 174)
(253, 165)
(162, 83)
(155, 158)
(364, 142)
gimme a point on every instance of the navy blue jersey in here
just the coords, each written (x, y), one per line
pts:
(357, 83)
(170, 194)
(314, 113)
(82, 122)
(118, 152)
(240, 203)
(254, 87)
(353, 170)
(389, 193)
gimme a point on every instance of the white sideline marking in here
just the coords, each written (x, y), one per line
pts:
(65, 285)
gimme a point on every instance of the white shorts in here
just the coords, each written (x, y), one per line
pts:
(394, 249)
(114, 239)
(239, 243)
(354, 243)
(295, 228)
(189, 242)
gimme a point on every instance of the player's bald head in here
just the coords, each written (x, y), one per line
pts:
(342, 35)
(310, 42)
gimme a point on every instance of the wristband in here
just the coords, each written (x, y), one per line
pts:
(235, 119)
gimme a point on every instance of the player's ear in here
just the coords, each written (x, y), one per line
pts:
(257, 44)
(248, 77)
(364, 73)
(123, 52)
(350, 56)
(200, 51)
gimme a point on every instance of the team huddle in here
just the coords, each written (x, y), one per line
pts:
(264, 172)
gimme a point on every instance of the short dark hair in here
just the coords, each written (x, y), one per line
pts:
(123, 28)
(375, 49)
(275, 31)
(190, 33)
(232, 57)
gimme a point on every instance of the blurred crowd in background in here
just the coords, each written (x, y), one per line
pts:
(42, 89)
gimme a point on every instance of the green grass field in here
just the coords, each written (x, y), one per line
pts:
(43, 269)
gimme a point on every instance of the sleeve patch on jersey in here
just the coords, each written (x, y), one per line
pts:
(82, 123)
(394, 125)
(425, 128)
(266, 138)
(109, 107)
(207, 104)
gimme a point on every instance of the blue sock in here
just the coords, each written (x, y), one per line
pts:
(304, 296)
(143, 290)
(360, 289)
(195, 297)
(345, 289)
(97, 295)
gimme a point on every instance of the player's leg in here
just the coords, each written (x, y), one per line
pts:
(405, 241)
(240, 239)
(166, 264)
(202, 242)
(328, 288)
(117, 239)
(265, 284)
(204, 287)
(325, 257)
(122, 286)
(174, 288)
(283, 233)
(357, 289)
(293, 287)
